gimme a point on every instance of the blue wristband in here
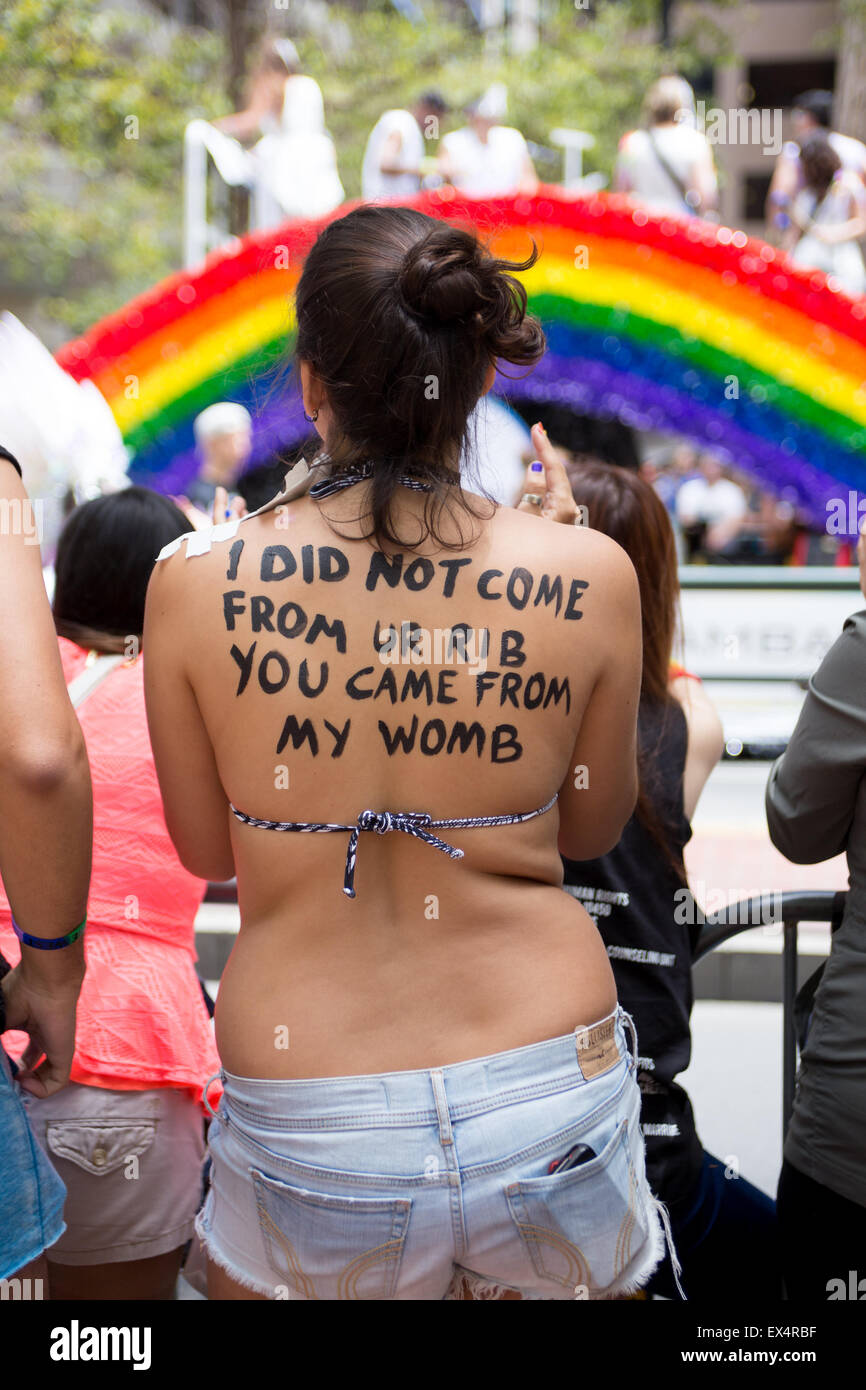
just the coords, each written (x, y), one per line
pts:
(49, 943)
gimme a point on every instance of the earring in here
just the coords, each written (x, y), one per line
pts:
(312, 418)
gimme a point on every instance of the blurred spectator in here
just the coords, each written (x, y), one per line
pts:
(829, 213)
(710, 509)
(395, 158)
(294, 164)
(668, 165)
(143, 1042)
(223, 435)
(816, 810)
(485, 159)
(811, 112)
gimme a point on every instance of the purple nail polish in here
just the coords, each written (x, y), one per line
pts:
(536, 467)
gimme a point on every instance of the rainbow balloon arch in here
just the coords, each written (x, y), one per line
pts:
(662, 323)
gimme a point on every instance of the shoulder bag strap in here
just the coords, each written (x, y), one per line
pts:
(87, 680)
(674, 177)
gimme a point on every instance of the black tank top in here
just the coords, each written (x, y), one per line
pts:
(639, 902)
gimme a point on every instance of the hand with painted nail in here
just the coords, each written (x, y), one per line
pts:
(546, 489)
(225, 509)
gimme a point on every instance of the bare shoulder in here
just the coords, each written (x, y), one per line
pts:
(568, 544)
(580, 555)
(188, 569)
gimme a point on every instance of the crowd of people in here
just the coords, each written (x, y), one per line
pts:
(816, 205)
(448, 1038)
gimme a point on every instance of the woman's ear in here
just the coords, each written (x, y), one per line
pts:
(312, 390)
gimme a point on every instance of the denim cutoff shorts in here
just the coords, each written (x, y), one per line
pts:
(435, 1184)
(31, 1193)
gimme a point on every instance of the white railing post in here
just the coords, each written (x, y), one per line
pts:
(573, 143)
(195, 227)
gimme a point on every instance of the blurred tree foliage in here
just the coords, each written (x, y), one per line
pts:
(93, 103)
(94, 97)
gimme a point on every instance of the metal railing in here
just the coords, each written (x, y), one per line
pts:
(787, 910)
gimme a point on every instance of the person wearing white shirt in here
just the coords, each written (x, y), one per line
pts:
(711, 508)
(668, 165)
(485, 159)
(810, 113)
(293, 167)
(394, 157)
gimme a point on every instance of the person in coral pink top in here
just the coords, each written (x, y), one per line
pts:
(127, 1134)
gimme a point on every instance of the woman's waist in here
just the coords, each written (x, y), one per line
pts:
(426, 992)
(470, 1087)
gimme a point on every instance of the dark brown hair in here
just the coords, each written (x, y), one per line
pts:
(401, 316)
(627, 508)
(820, 162)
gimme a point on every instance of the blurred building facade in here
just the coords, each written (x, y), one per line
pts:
(782, 48)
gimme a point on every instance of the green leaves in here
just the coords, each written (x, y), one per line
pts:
(94, 98)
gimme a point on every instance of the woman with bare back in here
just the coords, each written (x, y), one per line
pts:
(387, 704)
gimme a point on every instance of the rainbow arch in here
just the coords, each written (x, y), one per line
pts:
(659, 322)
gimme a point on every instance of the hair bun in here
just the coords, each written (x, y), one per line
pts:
(439, 281)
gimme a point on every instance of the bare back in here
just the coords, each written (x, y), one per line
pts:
(331, 678)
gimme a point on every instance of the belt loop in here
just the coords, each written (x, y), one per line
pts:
(207, 1086)
(441, 1099)
(626, 1018)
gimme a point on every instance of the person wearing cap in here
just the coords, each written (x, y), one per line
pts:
(394, 158)
(223, 436)
(486, 159)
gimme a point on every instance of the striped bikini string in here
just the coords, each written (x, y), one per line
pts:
(417, 823)
(327, 486)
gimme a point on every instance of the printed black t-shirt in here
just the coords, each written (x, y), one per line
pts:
(640, 904)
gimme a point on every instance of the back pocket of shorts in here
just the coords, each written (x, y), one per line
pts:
(325, 1247)
(99, 1146)
(583, 1228)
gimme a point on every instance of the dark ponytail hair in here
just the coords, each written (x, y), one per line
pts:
(401, 316)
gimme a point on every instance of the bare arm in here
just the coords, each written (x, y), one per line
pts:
(782, 190)
(196, 806)
(390, 161)
(706, 739)
(47, 813)
(599, 794)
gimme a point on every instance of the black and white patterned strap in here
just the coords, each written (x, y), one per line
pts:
(417, 823)
(327, 486)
